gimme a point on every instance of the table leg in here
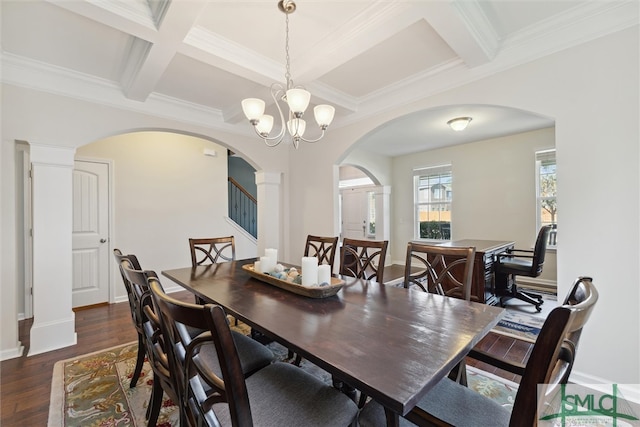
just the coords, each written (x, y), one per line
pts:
(393, 419)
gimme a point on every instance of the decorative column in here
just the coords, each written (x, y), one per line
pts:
(52, 210)
(268, 188)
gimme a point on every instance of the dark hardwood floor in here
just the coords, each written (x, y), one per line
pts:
(25, 382)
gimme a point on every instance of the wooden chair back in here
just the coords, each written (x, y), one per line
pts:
(324, 248)
(212, 250)
(133, 295)
(553, 354)
(440, 269)
(363, 259)
(231, 388)
(155, 344)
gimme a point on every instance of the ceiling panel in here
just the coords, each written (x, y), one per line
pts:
(411, 51)
(47, 33)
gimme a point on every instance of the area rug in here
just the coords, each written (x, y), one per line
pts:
(519, 325)
(93, 389)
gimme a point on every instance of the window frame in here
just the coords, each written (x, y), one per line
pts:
(540, 156)
(440, 171)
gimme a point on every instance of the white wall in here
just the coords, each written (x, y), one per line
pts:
(592, 93)
(165, 190)
(493, 191)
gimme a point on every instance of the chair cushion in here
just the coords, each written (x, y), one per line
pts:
(451, 402)
(514, 265)
(252, 354)
(284, 395)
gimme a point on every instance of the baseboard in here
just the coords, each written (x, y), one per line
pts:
(47, 336)
(12, 353)
(540, 285)
(631, 392)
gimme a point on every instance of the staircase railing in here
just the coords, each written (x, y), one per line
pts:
(243, 207)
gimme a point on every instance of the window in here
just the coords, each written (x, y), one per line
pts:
(371, 213)
(547, 210)
(432, 199)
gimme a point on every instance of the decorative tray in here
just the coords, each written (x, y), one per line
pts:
(307, 291)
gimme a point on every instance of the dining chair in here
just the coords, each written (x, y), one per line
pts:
(439, 269)
(578, 293)
(133, 295)
(323, 248)
(217, 393)
(445, 271)
(163, 381)
(212, 250)
(451, 404)
(363, 259)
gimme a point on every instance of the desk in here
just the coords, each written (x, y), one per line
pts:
(482, 281)
(391, 343)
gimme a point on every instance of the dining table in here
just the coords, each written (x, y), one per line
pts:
(391, 343)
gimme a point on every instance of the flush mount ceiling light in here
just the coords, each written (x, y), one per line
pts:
(459, 123)
(296, 97)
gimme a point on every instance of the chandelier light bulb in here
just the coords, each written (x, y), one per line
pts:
(298, 100)
(253, 108)
(296, 127)
(264, 125)
(324, 115)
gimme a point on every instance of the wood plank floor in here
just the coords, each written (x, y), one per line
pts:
(25, 382)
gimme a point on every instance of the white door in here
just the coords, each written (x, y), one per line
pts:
(90, 233)
(354, 214)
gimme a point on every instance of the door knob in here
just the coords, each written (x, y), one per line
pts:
(103, 240)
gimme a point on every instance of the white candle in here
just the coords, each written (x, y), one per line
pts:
(273, 254)
(257, 267)
(266, 264)
(324, 274)
(309, 271)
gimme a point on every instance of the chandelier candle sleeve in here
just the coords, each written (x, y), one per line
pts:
(309, 273)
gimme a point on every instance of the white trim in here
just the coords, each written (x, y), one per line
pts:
(12, 353)
(241, 230)
(629, 391)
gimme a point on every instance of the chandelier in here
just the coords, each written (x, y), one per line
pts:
(296, 98)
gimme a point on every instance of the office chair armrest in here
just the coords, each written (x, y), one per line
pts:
(515, 253)
(513, 367)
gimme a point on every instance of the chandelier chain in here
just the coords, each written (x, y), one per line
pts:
(287, 74)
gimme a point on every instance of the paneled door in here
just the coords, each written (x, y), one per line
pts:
(90, 233)
(354, 214)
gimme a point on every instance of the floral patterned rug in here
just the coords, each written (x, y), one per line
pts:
(92, 390)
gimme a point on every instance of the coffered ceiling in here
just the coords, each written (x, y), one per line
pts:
(195, 60)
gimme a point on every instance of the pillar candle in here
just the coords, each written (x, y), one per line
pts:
(273, 254)
(324, 274)
(257, 267)
(266, 264)
(309, 271)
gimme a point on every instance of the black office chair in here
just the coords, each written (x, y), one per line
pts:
(520, 262)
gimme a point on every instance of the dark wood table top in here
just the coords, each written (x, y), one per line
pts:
(480, 245)
(391, 343)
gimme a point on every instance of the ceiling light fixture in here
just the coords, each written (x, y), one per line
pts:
(459, 123)
(296, 97)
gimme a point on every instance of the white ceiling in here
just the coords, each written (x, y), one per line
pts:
(196, 60)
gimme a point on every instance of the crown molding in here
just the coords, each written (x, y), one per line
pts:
(35, 75)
